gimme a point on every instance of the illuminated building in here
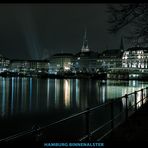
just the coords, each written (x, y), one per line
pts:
(29, 65)
(39, 65)
(136, 57)
(4, 63)
(111, 58)
(17, 65)
(61, 62)
(86, 60)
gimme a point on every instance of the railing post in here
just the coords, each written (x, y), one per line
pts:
(112, 114)
(135, 100)
(87, 123)
(126, 107)
(36, 132)
(142, 96)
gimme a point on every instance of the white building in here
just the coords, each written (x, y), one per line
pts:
(136, 57)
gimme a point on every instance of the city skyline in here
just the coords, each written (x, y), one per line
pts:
(34, 31)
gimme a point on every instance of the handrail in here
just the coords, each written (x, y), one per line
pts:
(86, 113)
(75, 115)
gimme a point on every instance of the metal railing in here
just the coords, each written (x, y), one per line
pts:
(92, 124)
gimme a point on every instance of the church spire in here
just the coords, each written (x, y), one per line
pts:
(85, 42)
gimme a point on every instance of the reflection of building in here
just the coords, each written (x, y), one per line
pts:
(61, 61)
(67, 94)
(136, 57)
(86, 60)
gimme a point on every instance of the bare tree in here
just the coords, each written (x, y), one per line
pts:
(133, 17)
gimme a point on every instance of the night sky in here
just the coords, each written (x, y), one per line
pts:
(36, 31)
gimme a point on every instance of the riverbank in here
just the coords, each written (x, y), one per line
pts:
(127, 76)
(99, 76)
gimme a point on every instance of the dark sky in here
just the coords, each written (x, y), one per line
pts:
(34, 31)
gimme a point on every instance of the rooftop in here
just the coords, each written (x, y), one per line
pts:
(111, 53)
(63, 54)
(87, 54)
(138, 48)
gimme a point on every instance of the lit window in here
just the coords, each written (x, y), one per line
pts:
(125, 57)
(134, 65)
(139, 56)
(66, 68)
(142, 65)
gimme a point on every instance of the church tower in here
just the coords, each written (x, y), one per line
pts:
(121, 44)
(85, 43)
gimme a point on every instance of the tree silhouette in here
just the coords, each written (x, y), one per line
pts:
(133, 17)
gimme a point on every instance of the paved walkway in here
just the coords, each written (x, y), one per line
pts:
(135, 129)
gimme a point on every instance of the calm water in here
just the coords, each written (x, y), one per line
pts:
(27, 101)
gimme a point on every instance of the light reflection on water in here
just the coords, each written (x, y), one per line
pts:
(67, 96)
(40, 94)
(33, 99)
(22, 95)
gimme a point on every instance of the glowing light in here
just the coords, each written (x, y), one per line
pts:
(66, 68)
(103, 93)
(66, 93)
(125, 57)
(30, 95)
(37, 93)
(134, 65)
(138, 99)
(3, 97)
(134, 75)
(142, 65)
(77, 93)
(57, 93)
(139, 56)
(48, 93)
(12, 96)
(22, 95)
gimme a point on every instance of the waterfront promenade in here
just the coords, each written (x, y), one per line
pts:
(135, 129)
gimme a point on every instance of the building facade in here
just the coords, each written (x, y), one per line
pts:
(4, 63)
(85, 60)
(61, 62)
(29, 65)
(111, 58)
(136, 57)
